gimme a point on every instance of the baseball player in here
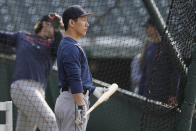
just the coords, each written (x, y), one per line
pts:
(35, 56)
(75, 78)
(166, 82)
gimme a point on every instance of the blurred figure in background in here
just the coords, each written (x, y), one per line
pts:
(159, 80)
(35, 56)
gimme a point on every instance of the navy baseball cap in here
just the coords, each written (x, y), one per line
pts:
(148, 22)
(73, 12)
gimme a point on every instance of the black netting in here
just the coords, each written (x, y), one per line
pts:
(177, 41)
(114, 37)
(182, 26)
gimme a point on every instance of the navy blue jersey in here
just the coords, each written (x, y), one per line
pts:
(164, 74)
(34, 58)
(73, 69)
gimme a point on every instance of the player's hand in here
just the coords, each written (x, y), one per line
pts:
(98, 92)
(81, 115)
(172, 101)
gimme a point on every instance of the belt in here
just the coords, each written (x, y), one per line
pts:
(67, 89)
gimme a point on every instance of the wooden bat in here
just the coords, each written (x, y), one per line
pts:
(111, 90)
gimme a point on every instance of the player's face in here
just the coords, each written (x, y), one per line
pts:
(81, 26)
(152, 33)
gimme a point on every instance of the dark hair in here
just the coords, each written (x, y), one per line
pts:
(38, 26)
(66, 22)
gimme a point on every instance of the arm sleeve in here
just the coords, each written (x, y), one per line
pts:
(135, 71)
(8, 38)
(91, 90)
(142, 81)
(57, 39)
(72, 68)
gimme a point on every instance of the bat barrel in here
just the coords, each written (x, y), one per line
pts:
(111, 90)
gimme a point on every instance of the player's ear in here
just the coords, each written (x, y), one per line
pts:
(71, 23)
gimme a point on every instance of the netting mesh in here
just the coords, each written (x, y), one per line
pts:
(182, 23)
(181, 26)
(114, 37)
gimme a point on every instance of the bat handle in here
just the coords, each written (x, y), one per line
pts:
(89, 111)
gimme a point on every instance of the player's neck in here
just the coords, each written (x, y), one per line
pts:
(71, 34)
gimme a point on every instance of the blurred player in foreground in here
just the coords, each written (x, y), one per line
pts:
(35, 56)
(164, 85)
(75, 78)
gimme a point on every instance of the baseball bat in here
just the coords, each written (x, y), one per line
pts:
(111, 90)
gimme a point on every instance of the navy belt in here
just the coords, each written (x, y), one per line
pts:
(67, 89)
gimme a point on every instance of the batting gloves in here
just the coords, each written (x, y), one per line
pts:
(80, 115)
(98, 92)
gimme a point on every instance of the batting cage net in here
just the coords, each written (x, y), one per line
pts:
(120, 50)
(169, 72)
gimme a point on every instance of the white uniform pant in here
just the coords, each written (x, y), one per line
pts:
(65, 111)
(29, 98)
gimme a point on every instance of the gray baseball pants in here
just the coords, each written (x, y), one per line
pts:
(29, 98)
(65, 111)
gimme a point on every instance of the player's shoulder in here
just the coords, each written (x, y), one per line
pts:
(67, 45)
(68, 40)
